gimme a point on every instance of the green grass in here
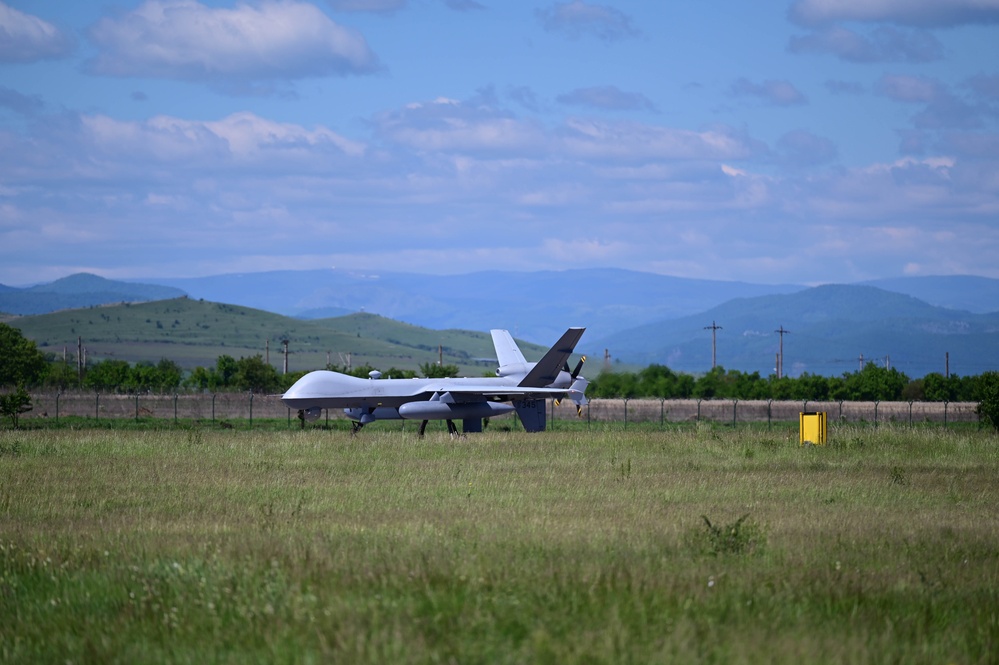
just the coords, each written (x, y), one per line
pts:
(202, 545)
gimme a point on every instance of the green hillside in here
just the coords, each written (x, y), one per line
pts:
(195, 332)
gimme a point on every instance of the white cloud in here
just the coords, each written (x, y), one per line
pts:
(470, 128)
(607, 97)
(910, 88)
(844, 87)
(985, 86)
(240, 141)
(184, 39)
(375, 6)
(799, 149)
(27, 38)
(925, 13)
(778, 93)
(943, 109)
(885, 44)
(448, 125)
(23, 104)
(471, 178)
(463, 5)
(634, 141)
(578, 18)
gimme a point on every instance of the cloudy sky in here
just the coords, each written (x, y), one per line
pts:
(804, 141)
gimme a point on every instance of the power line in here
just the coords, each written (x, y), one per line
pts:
(780, 355)
(713, 327)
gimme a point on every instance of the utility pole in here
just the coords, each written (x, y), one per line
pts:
(267, 351)
(713, 327)
(780, 355)
(947, 364)
(861, 368)
(285, 343)
(79, 360)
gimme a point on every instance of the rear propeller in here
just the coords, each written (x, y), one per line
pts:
(577, 393)
(574, 373)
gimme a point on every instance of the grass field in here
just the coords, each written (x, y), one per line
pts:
(708, 544)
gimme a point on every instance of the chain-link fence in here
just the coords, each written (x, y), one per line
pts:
(222, 407)
(767, 411)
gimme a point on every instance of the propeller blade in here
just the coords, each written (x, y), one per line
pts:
(579, 366)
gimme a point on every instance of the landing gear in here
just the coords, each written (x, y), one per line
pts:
(356, 427)
(452, 429)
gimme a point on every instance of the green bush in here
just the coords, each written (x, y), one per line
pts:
(988, 399)
(13, 404)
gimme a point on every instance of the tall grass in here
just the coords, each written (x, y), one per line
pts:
(702, 545)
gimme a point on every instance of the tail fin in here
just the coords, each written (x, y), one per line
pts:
(532, 413)
(546, 370)
(507, 351)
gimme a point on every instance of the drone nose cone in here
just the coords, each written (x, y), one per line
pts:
(310, 387)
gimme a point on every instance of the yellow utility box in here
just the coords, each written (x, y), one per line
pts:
(812, 428)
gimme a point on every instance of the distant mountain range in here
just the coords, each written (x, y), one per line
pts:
(536, 306)
(76, 291)
(638, 318)
(832, 329)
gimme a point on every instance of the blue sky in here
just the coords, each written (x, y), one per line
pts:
(802, 141)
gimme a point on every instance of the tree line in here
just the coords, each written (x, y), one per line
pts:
(872, 383)
(23, 366)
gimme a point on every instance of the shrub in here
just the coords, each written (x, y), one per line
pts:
(13, 404)
(988, 399)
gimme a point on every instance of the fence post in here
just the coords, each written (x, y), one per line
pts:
(662, 412)
(876, 402)
(698, 419)
(175, 398)
(58, 395)
(946, 404)
(626, 413)
(213, 408)
(97, 405)
(910, 413)
(251, 409)
(735, 403)
(770, 403)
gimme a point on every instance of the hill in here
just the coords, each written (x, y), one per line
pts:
(979, 295)
(192, 332)
(537, 306)
(76, 291)
(830, 326)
